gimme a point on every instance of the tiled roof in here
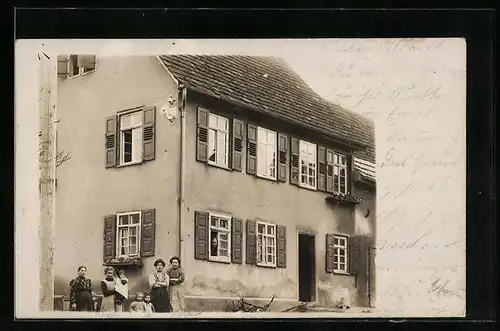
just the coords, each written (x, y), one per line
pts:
(268, 85)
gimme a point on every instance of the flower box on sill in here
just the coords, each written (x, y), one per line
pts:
(124, 261)
(344, 198)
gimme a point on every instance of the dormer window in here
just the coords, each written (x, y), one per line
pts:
(75, 65)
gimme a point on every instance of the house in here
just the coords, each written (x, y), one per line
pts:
(233, 163)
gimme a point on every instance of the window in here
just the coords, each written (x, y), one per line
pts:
(266, 151)
(340, 254)
(307, 156)
(218, 138)
(266, 244)
(220, 238)
(339, 173)
(80, 64)
(128, 232)
(131, 138)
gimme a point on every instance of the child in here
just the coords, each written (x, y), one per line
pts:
(121, 288)
(138, 306)
(148, 304)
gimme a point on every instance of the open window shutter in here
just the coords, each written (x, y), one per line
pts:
(202, 136)
(148, 135)
(148, 232)
(201, 235)
(109, 247)
(350, 172)
(237, 145)
(282, 157)
(252, 149)
(281, 240)
(354, 254)
(237, 240)
(329, 253)
(329, 170)
(86, 61)
(111, 142)
(321, 168)
(251, 241)
(294, 162)
(62, 65)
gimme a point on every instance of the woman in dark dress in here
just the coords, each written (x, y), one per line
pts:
(158, 281)
(80, 292)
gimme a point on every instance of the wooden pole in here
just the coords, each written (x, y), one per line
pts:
(47, 158)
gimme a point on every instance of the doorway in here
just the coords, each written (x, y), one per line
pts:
(307, 268)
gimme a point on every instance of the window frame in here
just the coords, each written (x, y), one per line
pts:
(337, 247)
(81, 70)
(301, 158)
(118, 238)
(227, 132)
(228, 231)
(259, 156)
(121, 147)
(338, 165)
(264, 245)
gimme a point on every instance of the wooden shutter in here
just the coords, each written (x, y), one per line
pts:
(237, 241)
(251, 241)
(350, 172)
(111, 142)
(86, 61)
(321, 168)
(148, 134)
(237, 145)
(329, 253)
(202, 135)
(201, 235)
(148, 232)
(329, 170)
(282, 157)
(354, 254)
(281, 240)
(62, 65)
(294, 161)
(251, 149)
(109, 246)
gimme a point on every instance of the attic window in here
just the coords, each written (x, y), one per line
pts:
(75, 65)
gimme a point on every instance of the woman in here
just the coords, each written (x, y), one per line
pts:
(80, 292)
(108, 291)
(158, 281)
(176, 289)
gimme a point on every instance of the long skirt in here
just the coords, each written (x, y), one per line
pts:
(108, 303)
(160, 299)
(84, 301)
(177, 298)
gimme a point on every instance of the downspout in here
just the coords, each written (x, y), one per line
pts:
(182, 168)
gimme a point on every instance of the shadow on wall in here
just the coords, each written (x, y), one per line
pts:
(214, 286)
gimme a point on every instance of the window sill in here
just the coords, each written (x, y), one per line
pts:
(343, 198)
(263, 265)
(123, 165)
(267, 177)
(80, 75)
(341, 273)
(123, 262)
(311, 188)
(215, 165)
(219, 260)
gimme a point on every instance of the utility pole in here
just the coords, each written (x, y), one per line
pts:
(47, 159)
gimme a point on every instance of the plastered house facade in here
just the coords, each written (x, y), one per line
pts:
(232, 163)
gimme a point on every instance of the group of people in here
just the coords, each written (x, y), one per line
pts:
(165, 293)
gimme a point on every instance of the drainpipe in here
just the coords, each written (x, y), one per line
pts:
(182, 168)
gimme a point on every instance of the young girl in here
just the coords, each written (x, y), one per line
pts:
(138, 306)
(148, 304)
(108, 290)
(121, 288)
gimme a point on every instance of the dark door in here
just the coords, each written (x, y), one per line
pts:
(307, 268)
